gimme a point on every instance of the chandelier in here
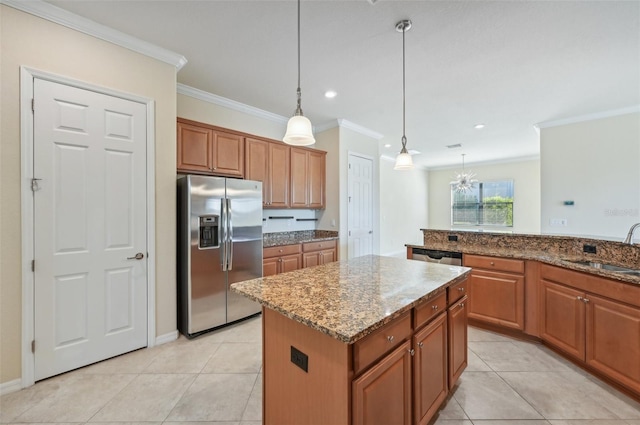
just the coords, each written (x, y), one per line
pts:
(464, 181)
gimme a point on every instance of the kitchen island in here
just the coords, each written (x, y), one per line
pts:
(368, 340)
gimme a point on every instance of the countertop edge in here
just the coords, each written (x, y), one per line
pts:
(370, 329)
(567, 263)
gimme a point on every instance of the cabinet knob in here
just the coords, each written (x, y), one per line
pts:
(420, 344)
(435, 307)
(279, 250)
(390, 338)
(461, 305)
(412, 352)
(460, 289)
(492, 263)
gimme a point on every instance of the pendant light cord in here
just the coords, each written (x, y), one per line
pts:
(404, 137)
(298, 91)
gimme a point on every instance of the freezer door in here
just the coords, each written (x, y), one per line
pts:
(245, 250)
(207, 295)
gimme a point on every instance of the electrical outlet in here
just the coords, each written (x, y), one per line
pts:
(299, 359)
(558, 222)
(453, 238)
(589, 249)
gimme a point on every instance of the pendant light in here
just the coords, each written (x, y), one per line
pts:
(299, 130)
(403, 160)
(464, 181)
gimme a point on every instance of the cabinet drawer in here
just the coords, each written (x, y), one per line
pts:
(428, 309)
(380, 342)
(494, 263)
(317, 246)
(277, 251)
(457, 291)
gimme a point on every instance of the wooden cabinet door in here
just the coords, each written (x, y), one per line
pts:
(279, 166)
(430, 373)
(382, 395)
(257, 165)
(316, 177)
(299, 178)
(327, 256)
(194, 148)
(497, 298)
(228, 154)
(457, 344)
(613, 340)
(562, 319)
(289, 263)
(310, 259)
(270, 266)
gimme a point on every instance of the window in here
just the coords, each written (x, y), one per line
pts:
(488, 204)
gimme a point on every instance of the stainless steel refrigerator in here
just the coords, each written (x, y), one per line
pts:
(219, 243)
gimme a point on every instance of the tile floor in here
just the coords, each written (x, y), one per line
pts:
(216, 379)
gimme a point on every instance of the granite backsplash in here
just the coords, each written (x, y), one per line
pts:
(290, 238)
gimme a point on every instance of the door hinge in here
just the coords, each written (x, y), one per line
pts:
(349, 166)
(33, 265)
(33, 104)
(34, 184)
(33, 346)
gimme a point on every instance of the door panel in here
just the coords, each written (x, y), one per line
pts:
(90, 216)
(360, 207)
(563, 318)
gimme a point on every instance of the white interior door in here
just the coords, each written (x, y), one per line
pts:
(360, 211)
(89, 223)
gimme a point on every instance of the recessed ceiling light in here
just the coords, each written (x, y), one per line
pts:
(478, 126)
(330, 94)
(388, 145)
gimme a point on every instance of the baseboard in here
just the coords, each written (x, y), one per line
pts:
(397, 254)
(168, 337)
(10, 386)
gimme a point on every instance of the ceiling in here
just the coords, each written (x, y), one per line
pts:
(507, 64)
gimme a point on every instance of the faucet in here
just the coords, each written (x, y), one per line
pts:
(630, 234)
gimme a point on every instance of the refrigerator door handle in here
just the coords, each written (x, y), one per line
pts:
(230, 234)
(223, 236)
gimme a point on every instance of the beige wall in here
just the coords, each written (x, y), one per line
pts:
(33, 42)
(526, 208)
(403, 207)
(596, 164)
(210, 113)
(329, 141)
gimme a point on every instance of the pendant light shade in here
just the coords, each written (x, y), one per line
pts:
(403, 160)
(299, 129)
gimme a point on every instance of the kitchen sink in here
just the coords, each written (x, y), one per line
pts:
(609, 267)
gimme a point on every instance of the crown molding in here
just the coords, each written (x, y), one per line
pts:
(70, 20)
(359, 129)
(326, 126)
(587, 117)
(488, 162)
(230, 104)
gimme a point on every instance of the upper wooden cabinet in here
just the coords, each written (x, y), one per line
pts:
(269, 163)
(205, 149)
(307, 178)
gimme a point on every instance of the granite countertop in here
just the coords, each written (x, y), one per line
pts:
(350, 299)
(300, 236)
(561, 251)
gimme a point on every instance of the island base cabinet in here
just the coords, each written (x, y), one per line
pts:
(291, 395)
(382, 395)
(613, 340)
(430, 369)
(457, 327)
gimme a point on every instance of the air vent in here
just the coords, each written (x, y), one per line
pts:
(457, 145)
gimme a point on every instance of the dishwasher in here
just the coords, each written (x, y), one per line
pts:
(437, 256)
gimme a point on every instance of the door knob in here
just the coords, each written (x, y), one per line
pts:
(138, 256)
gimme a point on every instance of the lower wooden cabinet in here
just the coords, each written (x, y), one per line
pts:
(430, 385)
(281, 259)
(563, 318)
(318, 253)
(382, 395)
(457, 327)
(496, 290)
(601, 332)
